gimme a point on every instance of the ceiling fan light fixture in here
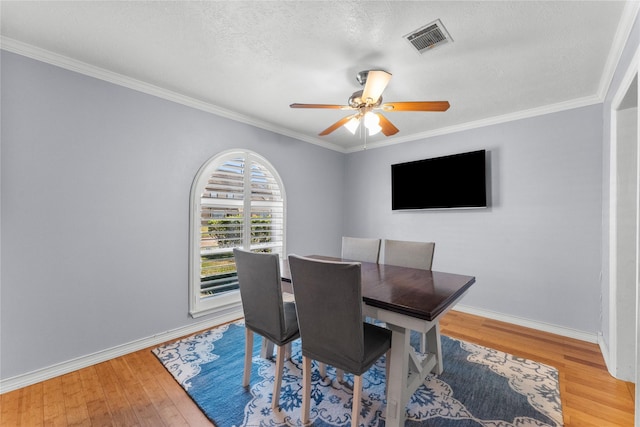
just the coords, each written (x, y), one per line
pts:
(371, 119)
(374, 129)
(372, 123)
(352, 125)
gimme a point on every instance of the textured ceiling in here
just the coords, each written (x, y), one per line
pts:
(250, 60)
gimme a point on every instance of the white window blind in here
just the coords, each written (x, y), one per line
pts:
(240, 204)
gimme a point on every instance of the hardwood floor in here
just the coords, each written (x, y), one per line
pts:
(590, 395)
(136, 390)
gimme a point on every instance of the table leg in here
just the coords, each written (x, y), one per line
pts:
(435, 347)
(398, 371)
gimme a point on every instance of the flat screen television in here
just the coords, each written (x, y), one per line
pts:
(457, 181)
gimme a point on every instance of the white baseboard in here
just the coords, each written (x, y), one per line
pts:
(19, 381)
(533, 324)
(53, 371)
(604, 349)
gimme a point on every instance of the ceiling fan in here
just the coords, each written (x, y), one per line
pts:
(365, 101)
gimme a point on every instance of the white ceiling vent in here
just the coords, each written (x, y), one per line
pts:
(428, 37)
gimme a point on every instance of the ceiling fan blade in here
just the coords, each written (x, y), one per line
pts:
(388, 128)
(336, 125)
(377, 81)
(416, 106)
(329, 106)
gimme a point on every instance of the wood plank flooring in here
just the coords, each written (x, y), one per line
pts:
(136, 390)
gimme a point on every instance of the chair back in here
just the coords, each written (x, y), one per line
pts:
(260, 289)
(360, 249)
(409, 254)
(329, 304)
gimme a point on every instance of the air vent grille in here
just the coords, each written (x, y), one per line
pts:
(428, 37)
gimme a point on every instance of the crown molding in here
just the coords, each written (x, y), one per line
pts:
(490, 121)
(629, 14)
(84, 68)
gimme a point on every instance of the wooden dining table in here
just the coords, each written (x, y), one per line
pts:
(405, 299)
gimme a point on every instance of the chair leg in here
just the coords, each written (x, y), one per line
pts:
(248, 353)
(306, 389)
(357, 396)
(322, 368)
(339, 375)
(287, 351)
(277, 382)
(266, 351)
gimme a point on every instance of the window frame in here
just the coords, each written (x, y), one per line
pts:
(228, 302)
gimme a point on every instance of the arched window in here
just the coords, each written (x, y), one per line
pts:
(237, 201)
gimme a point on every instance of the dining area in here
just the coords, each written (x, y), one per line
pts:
(349, 313)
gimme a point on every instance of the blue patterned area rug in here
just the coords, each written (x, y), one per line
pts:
(479, 387)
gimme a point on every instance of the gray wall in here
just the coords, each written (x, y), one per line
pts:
(95, 182)
(536, 251)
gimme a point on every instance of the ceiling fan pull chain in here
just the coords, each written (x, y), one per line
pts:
(365, 135)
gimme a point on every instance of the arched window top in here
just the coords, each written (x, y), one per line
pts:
(237, 200)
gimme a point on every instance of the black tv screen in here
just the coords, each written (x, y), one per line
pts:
(450, 182)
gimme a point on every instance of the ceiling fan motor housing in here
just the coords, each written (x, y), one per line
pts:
(361, 77)
(356, 101)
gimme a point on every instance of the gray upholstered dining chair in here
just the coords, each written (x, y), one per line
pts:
(413, 255)
(329, 304)
(409, 254)
(265, 313)
(360, 249)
